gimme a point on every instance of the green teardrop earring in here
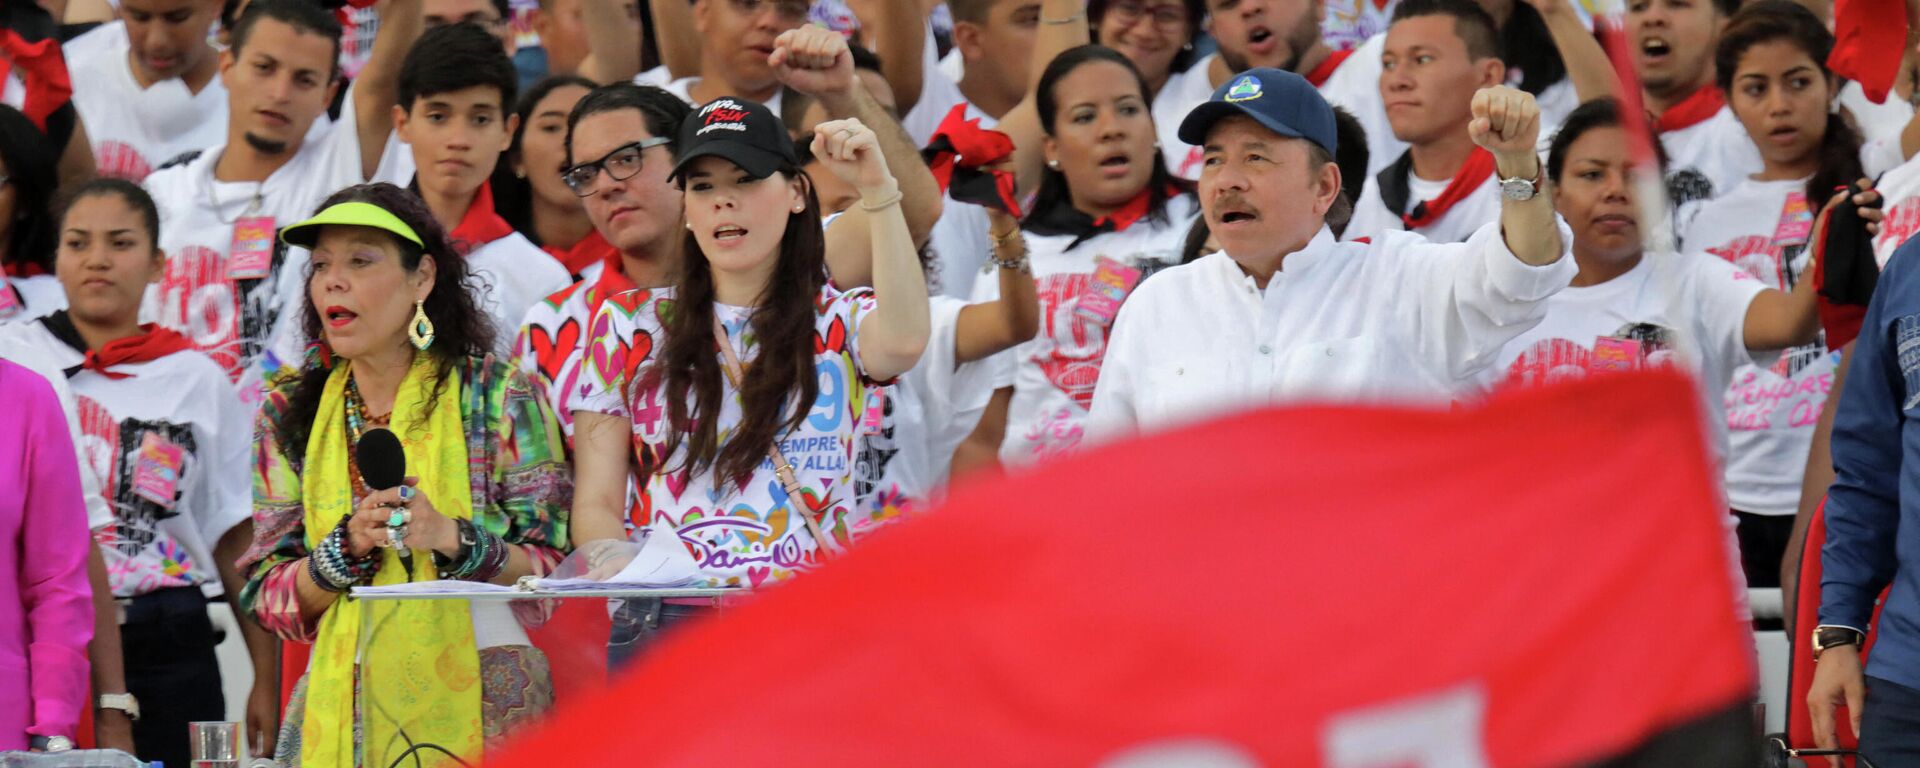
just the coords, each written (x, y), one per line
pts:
(420, 331)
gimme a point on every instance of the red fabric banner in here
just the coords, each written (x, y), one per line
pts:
(1539, 582)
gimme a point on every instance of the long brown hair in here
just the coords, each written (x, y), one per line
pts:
(1769, 20)
(781, 377)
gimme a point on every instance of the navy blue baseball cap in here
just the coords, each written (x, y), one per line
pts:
(1280, 100)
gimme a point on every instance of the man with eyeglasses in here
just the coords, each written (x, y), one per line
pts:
(491, 15)
(619, 150)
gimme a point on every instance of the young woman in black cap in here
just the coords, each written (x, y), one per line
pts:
(745, 386)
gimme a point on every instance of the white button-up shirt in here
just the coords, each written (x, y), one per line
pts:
(1400, 319)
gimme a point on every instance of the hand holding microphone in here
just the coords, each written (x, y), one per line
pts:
(395, 514)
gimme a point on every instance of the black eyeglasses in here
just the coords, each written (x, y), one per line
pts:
(621, 164)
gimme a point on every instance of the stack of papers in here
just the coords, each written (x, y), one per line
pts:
(662, 562)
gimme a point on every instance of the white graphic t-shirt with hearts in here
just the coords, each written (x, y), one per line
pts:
(1055, 373)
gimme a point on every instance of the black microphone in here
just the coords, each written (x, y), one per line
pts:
(383, 465)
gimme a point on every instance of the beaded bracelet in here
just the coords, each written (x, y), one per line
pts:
(333, 569)
(319, 575)
(481, 561)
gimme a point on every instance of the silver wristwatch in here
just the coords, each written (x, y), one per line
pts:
(125, 702)
(1520, 190)
(51, 743)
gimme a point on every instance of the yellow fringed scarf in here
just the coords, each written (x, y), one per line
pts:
(421, 669)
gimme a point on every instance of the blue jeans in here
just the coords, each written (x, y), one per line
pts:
(1890, 725)
(639, 624)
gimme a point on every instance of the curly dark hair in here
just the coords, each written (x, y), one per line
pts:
(782, 376)
(460, 329)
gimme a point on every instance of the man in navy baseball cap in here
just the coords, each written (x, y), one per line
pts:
(1284, 313)
(1281, 101)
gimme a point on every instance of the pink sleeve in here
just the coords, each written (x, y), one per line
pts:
(55, 593)
(277, 604)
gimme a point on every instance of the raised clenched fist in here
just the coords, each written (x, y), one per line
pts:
(1506, 122)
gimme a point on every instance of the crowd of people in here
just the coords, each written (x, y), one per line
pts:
(768, 275)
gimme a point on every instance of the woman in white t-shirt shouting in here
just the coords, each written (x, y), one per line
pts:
(739, 394)
(1772, 64)
(1107, 215)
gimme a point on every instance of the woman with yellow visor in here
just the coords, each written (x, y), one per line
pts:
(399, 344)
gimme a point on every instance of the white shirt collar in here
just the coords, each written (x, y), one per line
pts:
(1296, 262)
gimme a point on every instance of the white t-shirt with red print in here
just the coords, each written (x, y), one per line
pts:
(135, 130)
(1692, 305)
(1054, 375)
(1900, 202)
(1771, 410)
(208, 296)
(172, 453)
(742, 535)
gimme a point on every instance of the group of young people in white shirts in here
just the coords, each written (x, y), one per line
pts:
(1138, 286)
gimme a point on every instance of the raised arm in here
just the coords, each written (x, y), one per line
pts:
(614, 32)
(1063, 26)
(1782, 319)
(1506, 122)
(815, 61)
(895, 333)
(378, 87)
(1587, 63)
(987, 328)
(898, 29)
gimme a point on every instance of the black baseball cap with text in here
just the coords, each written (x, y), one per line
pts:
(742, 131)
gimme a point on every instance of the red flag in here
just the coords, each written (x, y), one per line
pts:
(1540, 582)
(1869, 38)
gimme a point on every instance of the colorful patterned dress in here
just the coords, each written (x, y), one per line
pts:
(521, 487)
